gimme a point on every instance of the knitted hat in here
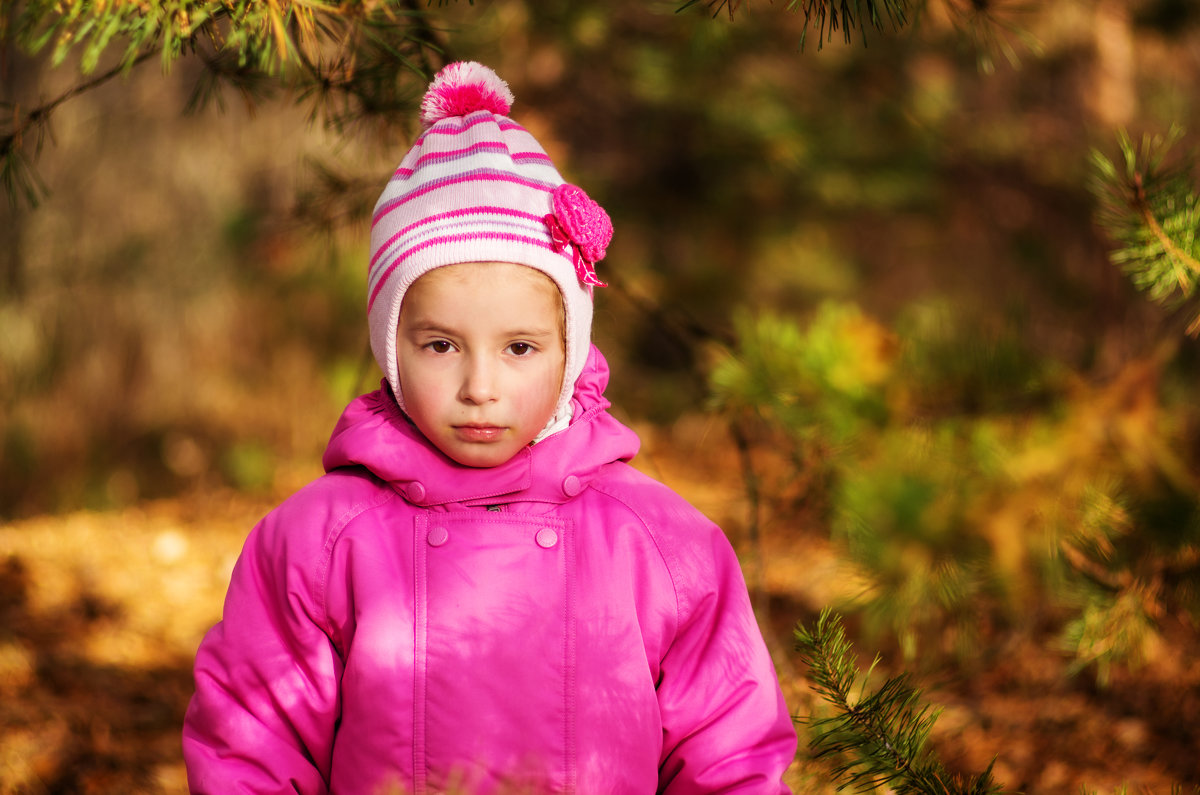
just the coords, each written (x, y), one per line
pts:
(477, 187)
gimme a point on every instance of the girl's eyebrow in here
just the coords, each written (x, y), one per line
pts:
(424, 326)
(429, 325)
(543, 332)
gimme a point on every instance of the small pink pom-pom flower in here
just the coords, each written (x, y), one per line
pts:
(461, 88)
(578, 221)
(584, 221)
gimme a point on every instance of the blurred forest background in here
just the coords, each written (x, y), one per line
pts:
(863, 314)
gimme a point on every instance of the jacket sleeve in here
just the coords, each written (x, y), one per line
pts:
(726, 727)
(266, 702)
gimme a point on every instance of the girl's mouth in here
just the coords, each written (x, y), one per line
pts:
(479, 433)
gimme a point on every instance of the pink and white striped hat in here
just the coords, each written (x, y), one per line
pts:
(477, 187)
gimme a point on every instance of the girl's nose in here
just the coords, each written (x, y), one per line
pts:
(479, 381)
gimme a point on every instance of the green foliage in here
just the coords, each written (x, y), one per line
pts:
(1149, 204)
(249, 466)
(877, 739)
(906, 515)
(1112, 625)
(1126, 564)
(954, 366)
(1110, 632)
(266, 35)
(959, 506)
(92, 27)
(906, 495)
(820, 384)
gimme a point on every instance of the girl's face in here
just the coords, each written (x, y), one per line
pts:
(480, 354)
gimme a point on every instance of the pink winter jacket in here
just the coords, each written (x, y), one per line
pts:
(559, 623)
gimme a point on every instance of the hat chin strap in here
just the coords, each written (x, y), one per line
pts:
(557, 423)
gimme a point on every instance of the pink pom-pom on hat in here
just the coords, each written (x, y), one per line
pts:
(463, 88)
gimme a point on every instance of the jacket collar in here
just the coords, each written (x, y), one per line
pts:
(374, 433)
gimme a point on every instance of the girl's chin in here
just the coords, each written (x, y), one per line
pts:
(481, 454)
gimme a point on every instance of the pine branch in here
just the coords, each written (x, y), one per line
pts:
(1183, 264)
(716, 6)
(41, 114)
(341, 56)
(991, 28)
(19, 176)
(827, 16)
(988, 25)
(1151, 209)
(878, 739)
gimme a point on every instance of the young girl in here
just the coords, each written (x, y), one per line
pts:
(481, 595)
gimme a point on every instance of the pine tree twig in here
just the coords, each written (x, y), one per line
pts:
(427, 36)
(1151, 209)
(879, 738)
(715, 6)
(827, 15)
(1173, 252)
(1094, 572)
(41, 114)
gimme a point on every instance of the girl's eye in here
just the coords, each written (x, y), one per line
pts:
(520, 348)
(439, 346)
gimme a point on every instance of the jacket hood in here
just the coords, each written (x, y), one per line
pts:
(374, 433)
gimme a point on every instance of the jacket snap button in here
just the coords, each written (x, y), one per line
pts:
(415, 491)
(571, 486)
(438, 536)
(546, 538)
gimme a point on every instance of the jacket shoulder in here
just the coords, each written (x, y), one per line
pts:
(694, 549)
(655, 502)
(307, 524)
(335, 497)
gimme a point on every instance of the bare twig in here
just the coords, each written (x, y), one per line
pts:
(758, 585)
